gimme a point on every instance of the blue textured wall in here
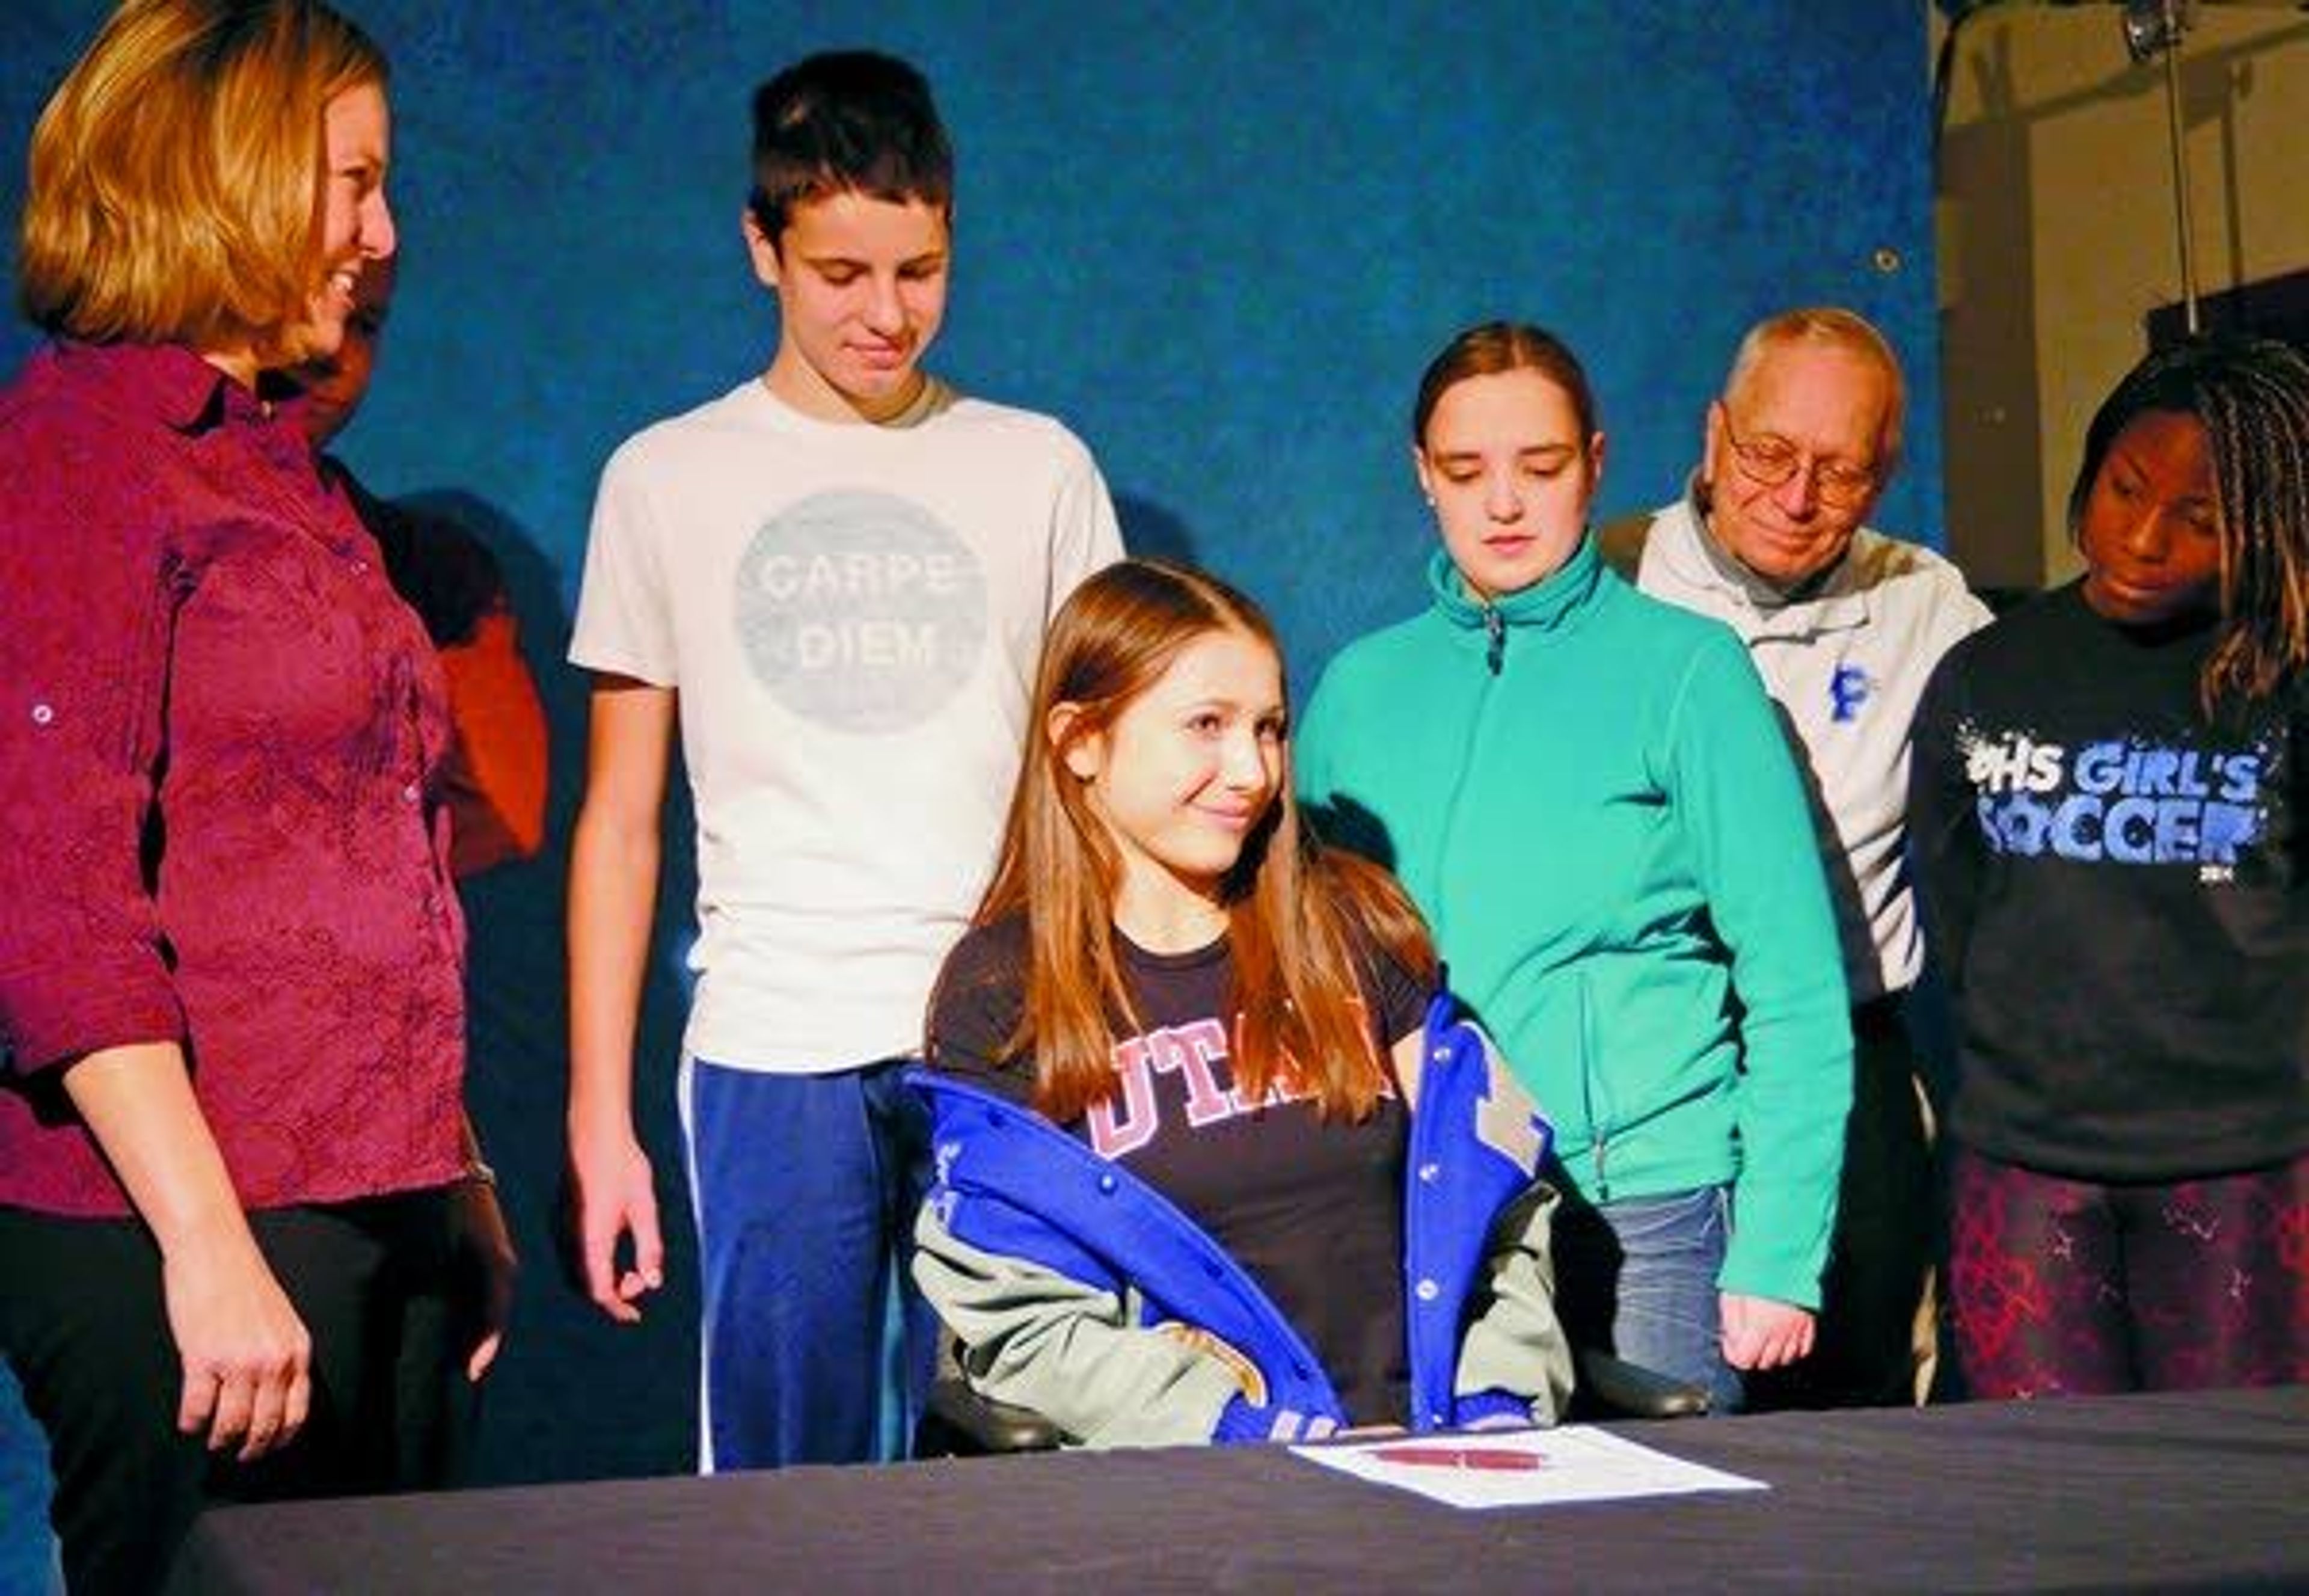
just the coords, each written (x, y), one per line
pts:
(1221, 242)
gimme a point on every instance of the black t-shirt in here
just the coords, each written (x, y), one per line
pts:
(1313, 1209)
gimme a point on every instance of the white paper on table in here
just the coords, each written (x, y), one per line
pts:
(1522, 1468)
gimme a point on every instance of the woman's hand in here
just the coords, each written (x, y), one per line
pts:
(247, 1356)
(1759, 1333)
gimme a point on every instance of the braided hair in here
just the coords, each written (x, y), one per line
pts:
(2251, 395)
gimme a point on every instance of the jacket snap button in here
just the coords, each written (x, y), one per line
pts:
(1428, 1290)
(1428, 1173)
(1106, 1184)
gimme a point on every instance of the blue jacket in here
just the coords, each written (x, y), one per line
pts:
(1010, 1182)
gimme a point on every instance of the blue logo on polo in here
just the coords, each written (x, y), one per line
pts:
(861, 612)
(1848, 690)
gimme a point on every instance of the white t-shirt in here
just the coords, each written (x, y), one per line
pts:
(852, 616)
(1847, 664)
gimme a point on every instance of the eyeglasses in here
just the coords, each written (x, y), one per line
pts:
(1773, 462)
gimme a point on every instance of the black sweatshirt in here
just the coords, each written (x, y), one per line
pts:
(2115, 890)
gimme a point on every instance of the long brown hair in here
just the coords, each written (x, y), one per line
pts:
(1296, 914)
(1492, 347)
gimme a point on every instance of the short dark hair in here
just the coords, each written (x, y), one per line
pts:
(2251, 395)
(847, 121)
(1492, 347)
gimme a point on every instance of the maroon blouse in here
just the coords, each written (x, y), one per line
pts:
(221, 742)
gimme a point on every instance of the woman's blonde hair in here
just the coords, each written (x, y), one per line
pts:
(177, 174)
(1298, 916)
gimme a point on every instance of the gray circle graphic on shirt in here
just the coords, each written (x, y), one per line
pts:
(861, 612)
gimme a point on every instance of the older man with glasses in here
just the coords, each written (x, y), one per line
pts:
(1844, 624)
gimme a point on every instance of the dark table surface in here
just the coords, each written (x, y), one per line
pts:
(2189, 1492)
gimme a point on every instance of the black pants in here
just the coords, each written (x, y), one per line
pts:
(1866, 1352)
(83, 1324)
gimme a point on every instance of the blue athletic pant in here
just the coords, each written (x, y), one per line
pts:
(815, 1346)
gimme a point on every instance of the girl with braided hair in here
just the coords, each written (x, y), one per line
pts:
(2109, 813)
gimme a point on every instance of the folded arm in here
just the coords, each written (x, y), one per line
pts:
(1067, 1349)
(1515, 1344)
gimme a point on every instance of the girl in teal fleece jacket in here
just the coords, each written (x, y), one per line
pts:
(1588, 796)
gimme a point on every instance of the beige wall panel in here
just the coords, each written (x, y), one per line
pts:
(2058, 237)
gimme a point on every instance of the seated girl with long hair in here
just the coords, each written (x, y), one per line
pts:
(1183, 1195)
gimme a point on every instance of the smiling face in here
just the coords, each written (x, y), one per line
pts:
(2151, 528)
(356, 227)
(1510, 476)
(861, 289)
(1182, 778)
(1814, 416)
(335, 384)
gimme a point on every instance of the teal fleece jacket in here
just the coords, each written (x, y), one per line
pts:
(1587, 793)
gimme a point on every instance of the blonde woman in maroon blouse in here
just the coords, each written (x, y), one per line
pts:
(238, 1222)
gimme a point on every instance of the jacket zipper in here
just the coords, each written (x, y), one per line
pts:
(1598, 1110)
(1495, 630)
